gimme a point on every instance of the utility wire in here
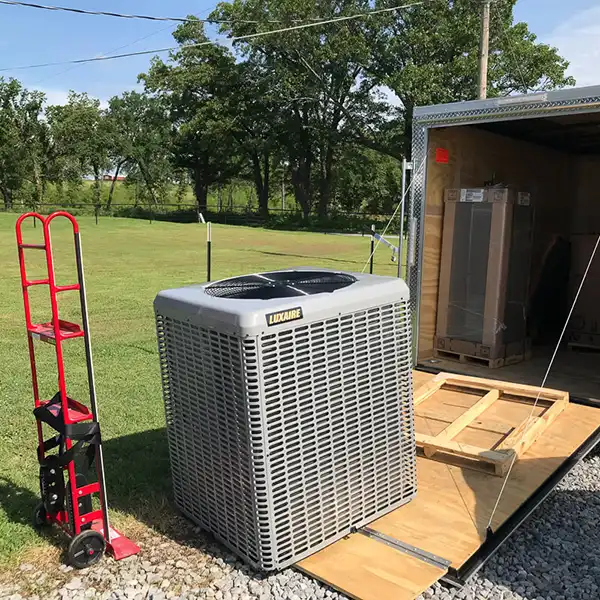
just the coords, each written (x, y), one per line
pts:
(103, 13)
(514, 57)
(399, 207)
(209, 42)
(128, 45)
(546, 375)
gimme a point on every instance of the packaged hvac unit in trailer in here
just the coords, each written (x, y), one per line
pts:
(289, 407)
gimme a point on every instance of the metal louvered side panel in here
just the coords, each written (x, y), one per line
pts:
(261, 493)
(339, 420)
(208, 432)
(164, 370)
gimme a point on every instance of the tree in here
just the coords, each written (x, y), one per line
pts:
(428, 54)
(139, 134)
(367, 180)
(318, 79)
(195, 85)
(254, 107)
(22, 134)
(79, 130)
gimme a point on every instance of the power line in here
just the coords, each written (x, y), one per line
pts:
(128, 45)
(207, 43)
(515, 59)
(545, 379)
(102, 13)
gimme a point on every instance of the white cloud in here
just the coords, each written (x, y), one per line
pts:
(59, 97)
(578, 40)
(54, 96)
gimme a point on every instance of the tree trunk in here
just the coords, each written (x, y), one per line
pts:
(148, 182)
(113, 183)
(7, 195)
(301, 184)
(60, 190)
(200, 190)
(96, 186)
(258, 179)
(325, 183)
(263, 197)
(38, 187)
(181, 188)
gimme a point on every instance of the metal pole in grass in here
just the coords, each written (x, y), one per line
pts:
(208, 251)
(372, 249)
(96, 212)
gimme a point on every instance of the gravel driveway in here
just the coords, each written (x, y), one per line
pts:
(555, 555)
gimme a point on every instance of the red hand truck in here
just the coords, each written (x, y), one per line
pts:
(76, 430)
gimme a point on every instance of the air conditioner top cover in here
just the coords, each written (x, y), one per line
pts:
(251, 304)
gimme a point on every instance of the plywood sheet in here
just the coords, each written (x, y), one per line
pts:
(367, 569)
(574, 371)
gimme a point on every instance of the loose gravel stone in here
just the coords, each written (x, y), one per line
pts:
(555, 555)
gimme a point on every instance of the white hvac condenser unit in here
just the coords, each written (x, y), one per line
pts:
(289, 407)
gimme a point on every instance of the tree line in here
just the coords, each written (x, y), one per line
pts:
(307, 106)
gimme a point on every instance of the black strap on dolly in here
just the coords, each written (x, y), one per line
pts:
(86, 437)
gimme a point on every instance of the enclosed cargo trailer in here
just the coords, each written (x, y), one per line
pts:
(547, 145)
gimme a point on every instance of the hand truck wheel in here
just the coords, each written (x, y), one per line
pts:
(40, 516)
(86, 549)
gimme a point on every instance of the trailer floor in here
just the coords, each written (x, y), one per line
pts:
(573, 370)
(450, 514)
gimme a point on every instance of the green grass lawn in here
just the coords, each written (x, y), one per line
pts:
(127, 262)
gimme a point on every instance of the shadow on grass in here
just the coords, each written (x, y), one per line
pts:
(17, 502)
(138, 480)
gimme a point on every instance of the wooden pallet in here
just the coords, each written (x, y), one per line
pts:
(490, 363)
(577, 347)
(497, 459)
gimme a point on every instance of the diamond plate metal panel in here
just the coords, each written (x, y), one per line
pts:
(283, 442)
(521, 108)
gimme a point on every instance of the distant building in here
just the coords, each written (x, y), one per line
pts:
(113, 178)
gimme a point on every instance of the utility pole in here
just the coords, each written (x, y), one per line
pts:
(484, 48)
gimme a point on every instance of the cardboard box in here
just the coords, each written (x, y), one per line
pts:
(484, 274)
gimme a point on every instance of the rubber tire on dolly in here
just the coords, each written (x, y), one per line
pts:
(40, 516)
(86, 549)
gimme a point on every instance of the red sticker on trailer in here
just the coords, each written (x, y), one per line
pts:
(442, 156)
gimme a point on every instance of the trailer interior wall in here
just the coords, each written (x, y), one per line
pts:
(476, 156)
(586, 210)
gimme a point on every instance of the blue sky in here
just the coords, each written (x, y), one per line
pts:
(33, 36)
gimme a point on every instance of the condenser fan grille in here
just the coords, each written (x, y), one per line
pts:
(280, 284)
